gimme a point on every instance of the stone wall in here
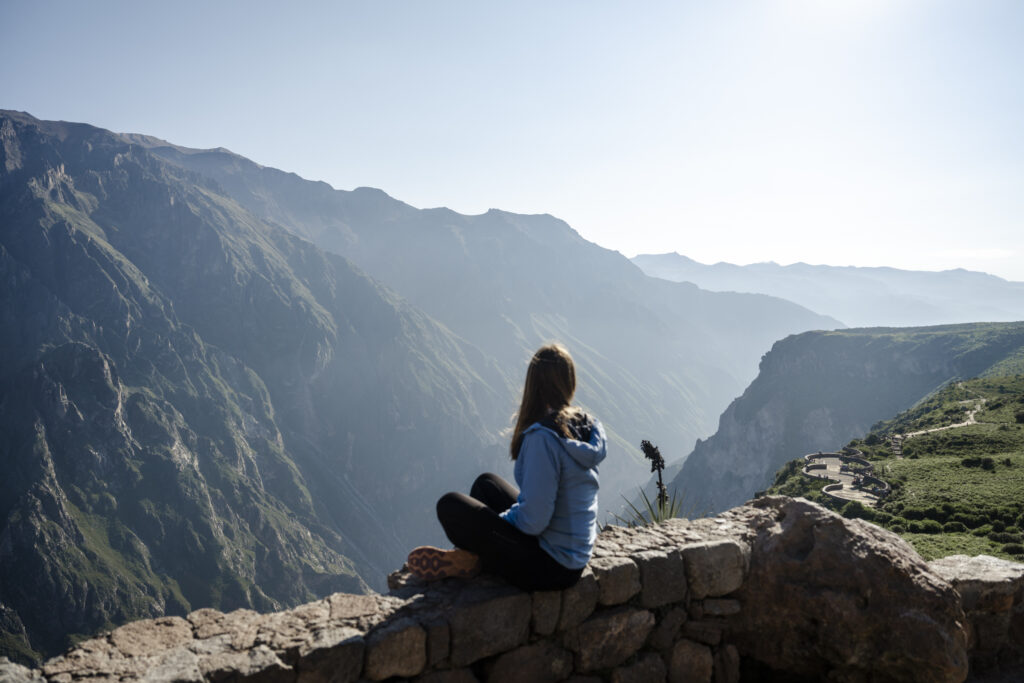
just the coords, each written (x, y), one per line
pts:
(777, 589)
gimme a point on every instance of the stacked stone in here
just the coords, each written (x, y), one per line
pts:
(774, 589)
(992, 596)
(652, 606)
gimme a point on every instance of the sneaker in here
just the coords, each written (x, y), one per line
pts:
(430, 563)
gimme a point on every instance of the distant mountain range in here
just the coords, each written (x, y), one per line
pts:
(222, 385)
(859, 297)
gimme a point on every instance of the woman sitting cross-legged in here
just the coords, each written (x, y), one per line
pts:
(538, 536)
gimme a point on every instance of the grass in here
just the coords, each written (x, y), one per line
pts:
(934, 546)
(956, 491)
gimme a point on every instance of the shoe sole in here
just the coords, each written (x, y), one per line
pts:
(430, 563)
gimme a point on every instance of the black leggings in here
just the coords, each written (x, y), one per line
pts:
(472, 523)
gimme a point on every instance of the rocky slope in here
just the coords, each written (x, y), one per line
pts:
(818, 390)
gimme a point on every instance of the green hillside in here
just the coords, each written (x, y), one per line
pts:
(958, 488)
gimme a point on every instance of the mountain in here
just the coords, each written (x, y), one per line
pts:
(198, 408)
(657, 360)
(860, 297)
(817, 390)
(226, 386)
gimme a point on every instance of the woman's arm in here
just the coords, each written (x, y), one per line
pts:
(541, 469)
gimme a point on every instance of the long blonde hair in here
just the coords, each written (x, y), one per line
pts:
(549, 388)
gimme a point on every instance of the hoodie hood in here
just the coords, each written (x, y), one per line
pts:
(587, 448)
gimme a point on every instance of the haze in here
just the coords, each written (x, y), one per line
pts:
(827, 131)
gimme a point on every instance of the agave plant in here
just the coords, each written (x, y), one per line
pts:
(651, 512)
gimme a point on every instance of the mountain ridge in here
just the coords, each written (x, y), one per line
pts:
(859, 296)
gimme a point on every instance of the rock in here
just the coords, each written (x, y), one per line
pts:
(451, 676)
(667, 630)
(690, 662)
(547, 606)
(579, 601)
(287, 632)
(541, 662)
(258, 663)
(992, 595)
(344, 607)
(985, 583)
(703, 631)
(97, 658)
(609, 637)
(439, 638)
(147, 637)
(714, 567)
(398, 648)
(617, 577)
(241, 626)
(648, 668)
(844, 599)
(333, 655)
(178, 665)
(720, 608)
(10, 672)
(662, 577)
(727, 664)
(487, 621)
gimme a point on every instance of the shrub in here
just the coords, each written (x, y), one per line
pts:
(969, 520)
(998, 525)
(939, 515)
(983, 530)
(1013, 549)
(882, 518)
(928, 526)
(1003, 537)
(1019, 417)
(854, 510)
(954, 527)
(872, 440)
(898, 528)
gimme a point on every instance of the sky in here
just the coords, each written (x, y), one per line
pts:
(841, 132)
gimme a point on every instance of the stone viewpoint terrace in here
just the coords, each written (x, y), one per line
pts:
(777, 589)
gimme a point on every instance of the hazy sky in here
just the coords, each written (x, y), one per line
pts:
(847, 132)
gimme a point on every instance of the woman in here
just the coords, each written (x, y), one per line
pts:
(539, 536)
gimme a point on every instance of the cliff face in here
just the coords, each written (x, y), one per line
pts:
(780, 589)
(817, 390)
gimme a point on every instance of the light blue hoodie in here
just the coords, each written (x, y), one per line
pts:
(557, 479)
